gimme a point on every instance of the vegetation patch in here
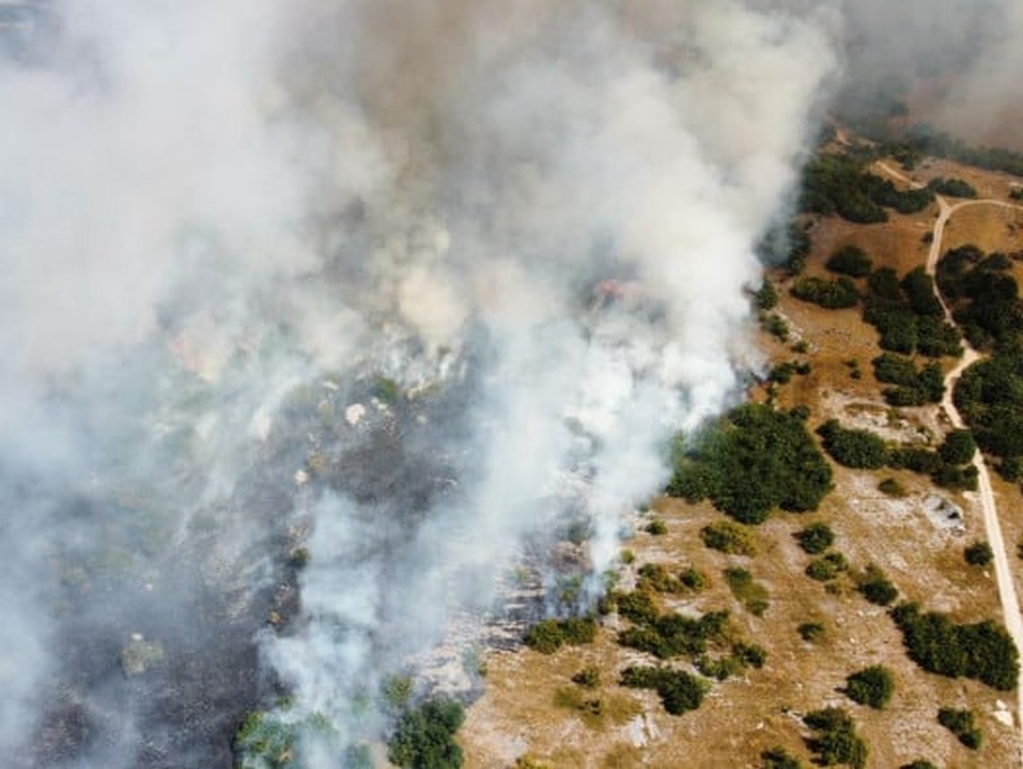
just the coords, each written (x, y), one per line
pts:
(779, 758)
(811, 632)
(679, 692)
(982, 651)
(875, 586)
(816, 538)
(751, 593)
(962, 723)
(425, 736)
(872, 686)
(835, 294)
(835, 740)
(751, 461)
(728, 537)
(978, 554)
(908, 315)
(550, 635)
(850, 260)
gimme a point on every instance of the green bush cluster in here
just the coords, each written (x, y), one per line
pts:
(679, 692)
(875, 586)
(913, 387)
(827, 567)
(816, 538)
(873, 686)
(671, 634)
(989, 395)
(779, 758)
(924, 140)
(982, 651)
(908, 315)
(983, 294)
(978, 554)
(728, 537)
(835, 740)
(858, 449)
(751, 593)
(425, 736)
(751, 461)
(850, 260)
(840, 184)
(836, 294)
(962, 723)
(951, 187)
(812, 632)
(550, 635)
(947, 466)
(786, 244)
(741, 656)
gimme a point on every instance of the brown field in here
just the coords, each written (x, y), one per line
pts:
(528, 710)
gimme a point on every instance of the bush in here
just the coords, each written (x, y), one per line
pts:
(958, 448)
(826, 568)
(963, 725)
(816, 538)
(424, 738)
(829, 294)
(853, 448)
(779, 758)
(657, 528)
(751, 461)
(752, 594)
(872, 686)
(550, 635)
(835, 740)
(978, 554)
(679, 692)
(876, 587)
(919, 764)
(953, 188)
(812, 632)
(588, 677)
(670, 635)
(891, 488)
(767, 296)
(728, 537)
(850, 260)
(982, 651)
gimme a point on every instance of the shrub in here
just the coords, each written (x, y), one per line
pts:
(850, 260)
(826, 568)
(982, 651)
(767, 296)
(816, 538)
(835, 740)
(752, 594)
(891, 488)
(853, 448)
(829, 294)
(958, 447)
(812, 632)
(657, 528)
(872, 686)
(679, 692)
(588, 677)
(919, 764)
(692, 578)
(728, 537)
(963, 725)
(550, 635)
(953, 188)
(876, 587)
(424, 738)
(753, 460)
(978, 554)
(779, 758)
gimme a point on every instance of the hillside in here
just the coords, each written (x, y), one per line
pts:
(816, 630)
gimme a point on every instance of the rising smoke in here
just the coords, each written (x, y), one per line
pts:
(407, 285)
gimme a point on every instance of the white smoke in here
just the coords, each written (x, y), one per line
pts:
(549, 208)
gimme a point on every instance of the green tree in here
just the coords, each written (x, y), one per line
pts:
(424, 737)
(872, 686)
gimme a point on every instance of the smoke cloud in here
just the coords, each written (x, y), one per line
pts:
(403, 288)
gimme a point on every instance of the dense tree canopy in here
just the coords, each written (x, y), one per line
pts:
(751, 461)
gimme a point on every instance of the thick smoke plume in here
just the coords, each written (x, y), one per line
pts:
(400, 286)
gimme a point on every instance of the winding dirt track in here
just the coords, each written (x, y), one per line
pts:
(1003, 574)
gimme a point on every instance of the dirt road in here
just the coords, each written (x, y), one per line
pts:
(992, 527)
